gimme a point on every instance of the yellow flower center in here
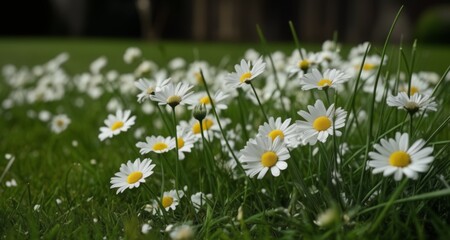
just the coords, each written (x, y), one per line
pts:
(276, 133)
(159, 146)
(117, 125)
(245, 76)
(206, 124)
(205, 100)
(167, 201)
(324, 82)
(180, 142)
(268, 159)
(321, 123)
(399, 159)
(368, 66)
(150, 90)
(413, 90)
(303, 65)
(59, 123)
(174, 100)
(134, 177)
(198, 77)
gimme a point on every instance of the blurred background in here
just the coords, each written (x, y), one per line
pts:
(228, 20)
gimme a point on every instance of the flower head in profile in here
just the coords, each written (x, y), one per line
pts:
(115, 124)
(396, 156)
(320, 122)
(186, 140)
(286, 132)
(417, 103)
(263, 154)
(174, 95)
(60, 123)
(245, 73)
(131, 175)
(157, 144)
(148, 88)
(330, 78)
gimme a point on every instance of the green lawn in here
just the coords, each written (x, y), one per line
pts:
(68, 174)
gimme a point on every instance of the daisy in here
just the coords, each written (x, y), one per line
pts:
(199, 199)
(157, 144)
(131, 175)
(319, 122)
(182, 232)
(120, 122)
(245, 73)
(416, 103)
(276, 128)
(60, 123)
(395, 156)
(174, 95)
(186, 140)
(210, 127)
(301, 63)
(131, 54)
(330, 78)
(219, 99)
(149, 88)
(169, 201)
(262, 154)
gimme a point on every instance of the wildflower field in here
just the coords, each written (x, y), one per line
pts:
(116, 139)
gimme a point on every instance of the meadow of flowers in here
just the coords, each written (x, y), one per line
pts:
(275, 145)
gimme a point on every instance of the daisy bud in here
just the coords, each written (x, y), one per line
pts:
(199, 112)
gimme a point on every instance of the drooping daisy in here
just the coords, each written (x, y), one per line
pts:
(174, 95)
(396, 156)
(415, 103)
(157, 144)
(263, 153)
(60, 123)
(120, 122)
(276, 128)
(245, 73)
(148, 88)
(131, 175)
(330, 78)
(319, 122)
(186, 140)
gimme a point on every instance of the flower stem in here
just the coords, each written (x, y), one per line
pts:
(259, 102)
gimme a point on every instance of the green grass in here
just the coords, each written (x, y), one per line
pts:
(48, 166)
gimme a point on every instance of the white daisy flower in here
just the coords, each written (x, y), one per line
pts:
(169, 201)
(276, 128)
(319, 122)
(60, 123)
(157, 144)
(261, 154)
(395, 156)
(120, 122)
(219, 99)
(182, 232)
(131, 175)
(186, 140)
(174, 95)
(415, 103)
(199, 199)
(210, 127)
(148, 88)
(145, 68)
(98, 64)
(131, 54)
(330, 78)
(417, 85)
(301, 63)
(245, 73)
